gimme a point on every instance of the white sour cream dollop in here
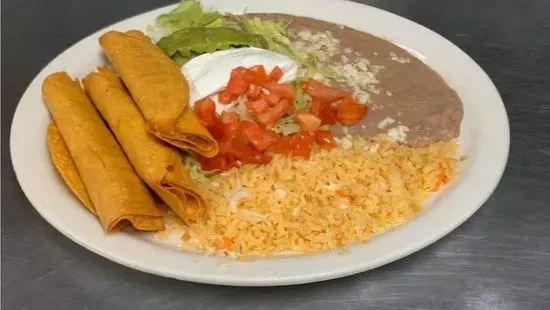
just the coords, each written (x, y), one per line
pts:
(209, 73)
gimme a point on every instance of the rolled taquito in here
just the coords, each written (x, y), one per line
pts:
(157, 163)
(159, 89)
(119, 197)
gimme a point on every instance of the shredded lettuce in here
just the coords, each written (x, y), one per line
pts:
(287, 126)
(189, 13)
(194, 169)
(312, 69)
(240, 109)
(276, 35)
(275, 32)
(301, 100)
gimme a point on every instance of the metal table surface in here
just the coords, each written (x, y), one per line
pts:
(499, 259)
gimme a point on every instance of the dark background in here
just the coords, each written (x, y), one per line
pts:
(499, 259)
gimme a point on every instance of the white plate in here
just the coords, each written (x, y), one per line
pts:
(484, 137)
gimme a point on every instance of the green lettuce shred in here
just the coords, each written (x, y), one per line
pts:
(301, 100)
(276, 35)
(275, 32)
(287, 126)
(188, 13)
(194, 168)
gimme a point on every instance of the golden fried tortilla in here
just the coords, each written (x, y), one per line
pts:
(64, 164)
(159, 89)
(158, 164)
(118, 195)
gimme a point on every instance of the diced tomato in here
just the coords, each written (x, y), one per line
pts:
(235, 147)
(254, 92)
(228, 117)
(256, 107)
(260, 138)
(226, 97)
(224, 147)
(283, 106)
(324, 139)
(315, 107)
(284, 90)
(230, 131)
(224, 129)
(272, 98)
(273, 114)
(245, 142)
(275, 75)
(205, 109)
(301, 144)
(350, 112)
(240, 70)
(246, 153)
(282, 146)
(248, 125)
(320, 91)
(325, 111)
(248, 77)
(257, 157)
(307, 121)
(226, 150)
(272, 135)
(258, 75)
(216, 129)
(238, 85)
(217, 162)
(263, 142)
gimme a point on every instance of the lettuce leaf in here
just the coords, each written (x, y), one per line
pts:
(189, 13)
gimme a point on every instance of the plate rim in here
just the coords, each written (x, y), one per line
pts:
(270, 281)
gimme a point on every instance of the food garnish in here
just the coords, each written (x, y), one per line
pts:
(189, 31)
(188, 13)
(187, 43)
(271, 109)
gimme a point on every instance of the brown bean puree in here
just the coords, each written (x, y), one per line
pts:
(406, 98)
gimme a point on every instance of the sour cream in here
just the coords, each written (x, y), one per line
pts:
(209, 73)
